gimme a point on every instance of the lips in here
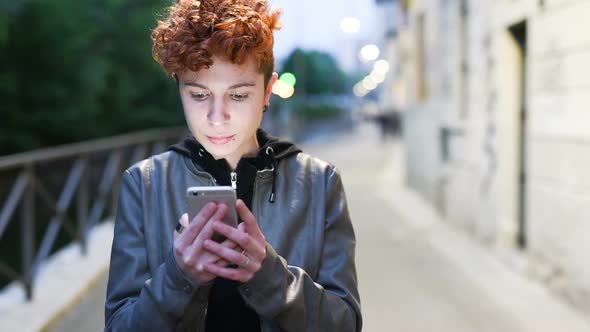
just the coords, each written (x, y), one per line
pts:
(220, 140)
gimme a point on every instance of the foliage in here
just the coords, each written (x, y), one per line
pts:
(317, 73)
(74, 70)
(319, 112)
(320, 84)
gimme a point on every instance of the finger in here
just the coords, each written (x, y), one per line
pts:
(207, 231)
(232, 255)
(244, 240)
(206, 212)
(214, 259)
(194, 228)
(194, 251)
(237, 274)
(229, 244)
(222, 263)
(249, 220)
(241, 238)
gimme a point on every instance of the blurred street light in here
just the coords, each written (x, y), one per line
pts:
(380, 69)
(288, 78)
(350, 25)
(369, 52)
(377, 77)
(359, 90)
(368, 83)
(283, 89)
(381, 66)
(371, 81)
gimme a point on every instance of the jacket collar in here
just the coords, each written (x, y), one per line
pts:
(272, 150)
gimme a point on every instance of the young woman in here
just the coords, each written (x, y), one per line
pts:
(289, 265)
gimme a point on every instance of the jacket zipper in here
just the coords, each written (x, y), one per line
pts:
(234, 180)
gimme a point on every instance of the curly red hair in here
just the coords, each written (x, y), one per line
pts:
(195, 31)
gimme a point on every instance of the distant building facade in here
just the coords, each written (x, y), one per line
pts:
(497, 127)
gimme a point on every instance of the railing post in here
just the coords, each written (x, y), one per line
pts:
(28, 231)
(114, 192)
(89, 210)
(82, 206)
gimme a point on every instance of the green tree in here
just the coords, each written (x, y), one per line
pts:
(317, 73)
(74, 70)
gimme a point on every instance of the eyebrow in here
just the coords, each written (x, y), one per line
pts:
(235, 86)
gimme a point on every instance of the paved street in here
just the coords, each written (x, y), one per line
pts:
(417, 274)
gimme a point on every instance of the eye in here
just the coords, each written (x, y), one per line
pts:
(239, 96)
(199, 96)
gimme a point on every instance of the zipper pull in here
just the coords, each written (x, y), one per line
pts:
(234, 180)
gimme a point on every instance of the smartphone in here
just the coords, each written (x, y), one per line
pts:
(197, 197)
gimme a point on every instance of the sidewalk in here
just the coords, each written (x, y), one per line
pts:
(417, 273)
(69, 290)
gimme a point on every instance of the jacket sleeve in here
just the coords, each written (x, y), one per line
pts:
(137, 299)
(288, 296)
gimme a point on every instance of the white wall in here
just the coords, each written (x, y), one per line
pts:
(480, 181)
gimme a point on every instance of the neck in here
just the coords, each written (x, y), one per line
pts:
(252, 151)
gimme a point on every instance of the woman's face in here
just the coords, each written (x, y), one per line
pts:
(223, 106)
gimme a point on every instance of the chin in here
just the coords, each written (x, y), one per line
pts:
(219, 151)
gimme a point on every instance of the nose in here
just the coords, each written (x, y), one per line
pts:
(217, 114)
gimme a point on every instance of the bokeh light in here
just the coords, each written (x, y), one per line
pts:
(369, 52)
(288, 78)
(283, 89)
(381, 66)
(350, 25)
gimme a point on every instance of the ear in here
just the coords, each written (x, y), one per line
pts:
(273, 78)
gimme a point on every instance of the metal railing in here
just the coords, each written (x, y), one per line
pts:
(92, 182)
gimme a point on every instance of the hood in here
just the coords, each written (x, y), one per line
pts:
(272, 151)
(281, 149)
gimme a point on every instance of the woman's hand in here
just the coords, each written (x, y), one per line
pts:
(247, 255)
(188, 246)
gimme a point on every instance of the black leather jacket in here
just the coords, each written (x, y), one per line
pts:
(306, 283)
